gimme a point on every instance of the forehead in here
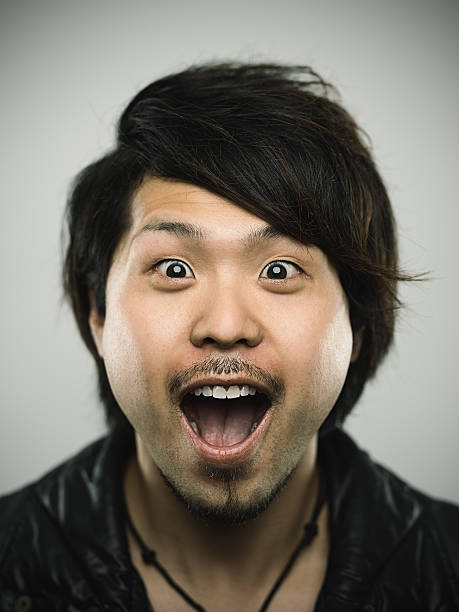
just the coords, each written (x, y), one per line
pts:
(162, 199)
(204, 221)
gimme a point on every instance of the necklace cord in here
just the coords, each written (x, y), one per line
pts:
(309, 532)
(149, 558)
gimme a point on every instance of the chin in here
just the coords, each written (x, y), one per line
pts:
(233, 510)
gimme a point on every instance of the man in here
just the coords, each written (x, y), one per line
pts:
(232, 267)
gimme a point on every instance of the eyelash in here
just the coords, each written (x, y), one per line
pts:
(272, 264)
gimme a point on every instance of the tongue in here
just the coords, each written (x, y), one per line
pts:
(225, 422)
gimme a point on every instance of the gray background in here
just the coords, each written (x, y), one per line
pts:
(68, 69)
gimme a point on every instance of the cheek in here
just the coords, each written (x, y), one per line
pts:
(144, 329)
(321, 353)
(336, 349)
(138, 342)
(316, 377)
(123, 361)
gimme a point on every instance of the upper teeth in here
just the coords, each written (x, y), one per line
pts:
(220, 392)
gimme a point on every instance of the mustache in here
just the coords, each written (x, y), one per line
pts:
(225, 365)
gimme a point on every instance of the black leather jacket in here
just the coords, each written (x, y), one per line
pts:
(63, 545)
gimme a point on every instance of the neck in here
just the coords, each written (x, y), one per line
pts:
(193, 548)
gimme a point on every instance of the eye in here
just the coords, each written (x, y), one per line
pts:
(280, 270)
(174, 268)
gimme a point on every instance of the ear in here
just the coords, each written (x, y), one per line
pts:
(96, 325)
(357, 335)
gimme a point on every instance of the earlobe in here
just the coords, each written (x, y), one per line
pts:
(96, 325)
(357, 335)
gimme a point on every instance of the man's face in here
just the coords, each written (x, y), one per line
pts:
(204, 295)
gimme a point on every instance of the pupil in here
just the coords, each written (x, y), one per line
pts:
(176, 270)
(277, 271)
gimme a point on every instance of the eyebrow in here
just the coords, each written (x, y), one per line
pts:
(187, 230)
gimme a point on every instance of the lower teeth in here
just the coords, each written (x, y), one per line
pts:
(254, 426)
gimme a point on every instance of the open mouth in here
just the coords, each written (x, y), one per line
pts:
(225, 416)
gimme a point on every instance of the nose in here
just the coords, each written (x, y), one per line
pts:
(226, 319)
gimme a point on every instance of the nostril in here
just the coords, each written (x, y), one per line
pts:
(219, 328)
(225, 345)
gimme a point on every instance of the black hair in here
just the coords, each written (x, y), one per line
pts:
(272, 139)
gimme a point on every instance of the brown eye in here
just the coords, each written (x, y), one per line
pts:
(280, 270)
(174, 268)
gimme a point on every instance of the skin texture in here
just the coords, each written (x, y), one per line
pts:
(296, 330)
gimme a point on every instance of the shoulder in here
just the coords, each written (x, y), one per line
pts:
(428, 554)
(68, 470)
(45, 530)
(436, 518)
(29, 500)
(17, 505)
(438, 523)
(389, 538)
(445, 516)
